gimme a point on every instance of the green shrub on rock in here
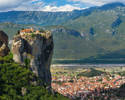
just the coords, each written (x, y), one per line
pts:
(27, 62)
(33, 35)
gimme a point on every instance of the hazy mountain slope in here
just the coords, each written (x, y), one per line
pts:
(12, 28)
(68, 43)
(49, 18)
(71, 47)
(101, 22)
(38, 17)
(104, 27)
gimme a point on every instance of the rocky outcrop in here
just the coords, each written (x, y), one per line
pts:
(24, 91)
(4, 49)
(91, 31)
(117, 22)
(38, 49)
(67, 31)
(3, 38)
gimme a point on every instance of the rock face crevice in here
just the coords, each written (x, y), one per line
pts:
(39, 50)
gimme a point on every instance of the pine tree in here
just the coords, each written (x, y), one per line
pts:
(18, 32)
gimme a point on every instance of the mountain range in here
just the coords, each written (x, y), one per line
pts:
(96, 32)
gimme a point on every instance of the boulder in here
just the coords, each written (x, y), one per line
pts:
(24, 91)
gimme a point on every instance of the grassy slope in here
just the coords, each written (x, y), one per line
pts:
(91, 73)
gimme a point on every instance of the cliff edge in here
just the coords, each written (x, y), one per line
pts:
(4, 49)
(38, 47)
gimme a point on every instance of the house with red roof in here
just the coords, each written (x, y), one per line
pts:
(27, 31)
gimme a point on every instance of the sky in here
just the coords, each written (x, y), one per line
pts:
(51, 5)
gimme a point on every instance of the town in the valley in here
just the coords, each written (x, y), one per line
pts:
(100, 87)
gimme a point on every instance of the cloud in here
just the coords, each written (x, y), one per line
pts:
(66, 7)
(39, 5)
(97, 2)
(5, 4)
(35, 5)
(30, 7)
(21, 5)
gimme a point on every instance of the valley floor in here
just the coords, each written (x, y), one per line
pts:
(66, 81)
(87, 65)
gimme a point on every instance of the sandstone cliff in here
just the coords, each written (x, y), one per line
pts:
(39, 49)
(4, 49)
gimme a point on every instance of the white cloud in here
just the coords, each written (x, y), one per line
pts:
(21, 5)
(5, 4)
(61, 8)
(39, 5)
(97, 2)
(34, 5)
(30, 7)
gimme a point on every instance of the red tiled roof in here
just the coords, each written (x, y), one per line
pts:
(26, 30)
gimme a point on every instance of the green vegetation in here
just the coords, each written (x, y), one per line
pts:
(91, 61)
(60, 83)
(42, 31)
(91, 73)
(122, 86)
(7, 59)
(27, 62)
(121, 73)
(108, 79)
(14, 77)
(33, 35)
(18, 32)
(38, 17)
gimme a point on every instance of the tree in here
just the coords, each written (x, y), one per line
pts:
(113, 72)
(95, 90)
(77, 98)
(121, 68)
(23, 29)
(113, 76)
(42, 31)
(9, 57)
(71, 81)
(18, 32)
(104, 69)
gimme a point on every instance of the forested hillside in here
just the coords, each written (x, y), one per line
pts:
(18, 83)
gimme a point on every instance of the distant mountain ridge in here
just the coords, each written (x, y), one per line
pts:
(49, 18)
(37, 17)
